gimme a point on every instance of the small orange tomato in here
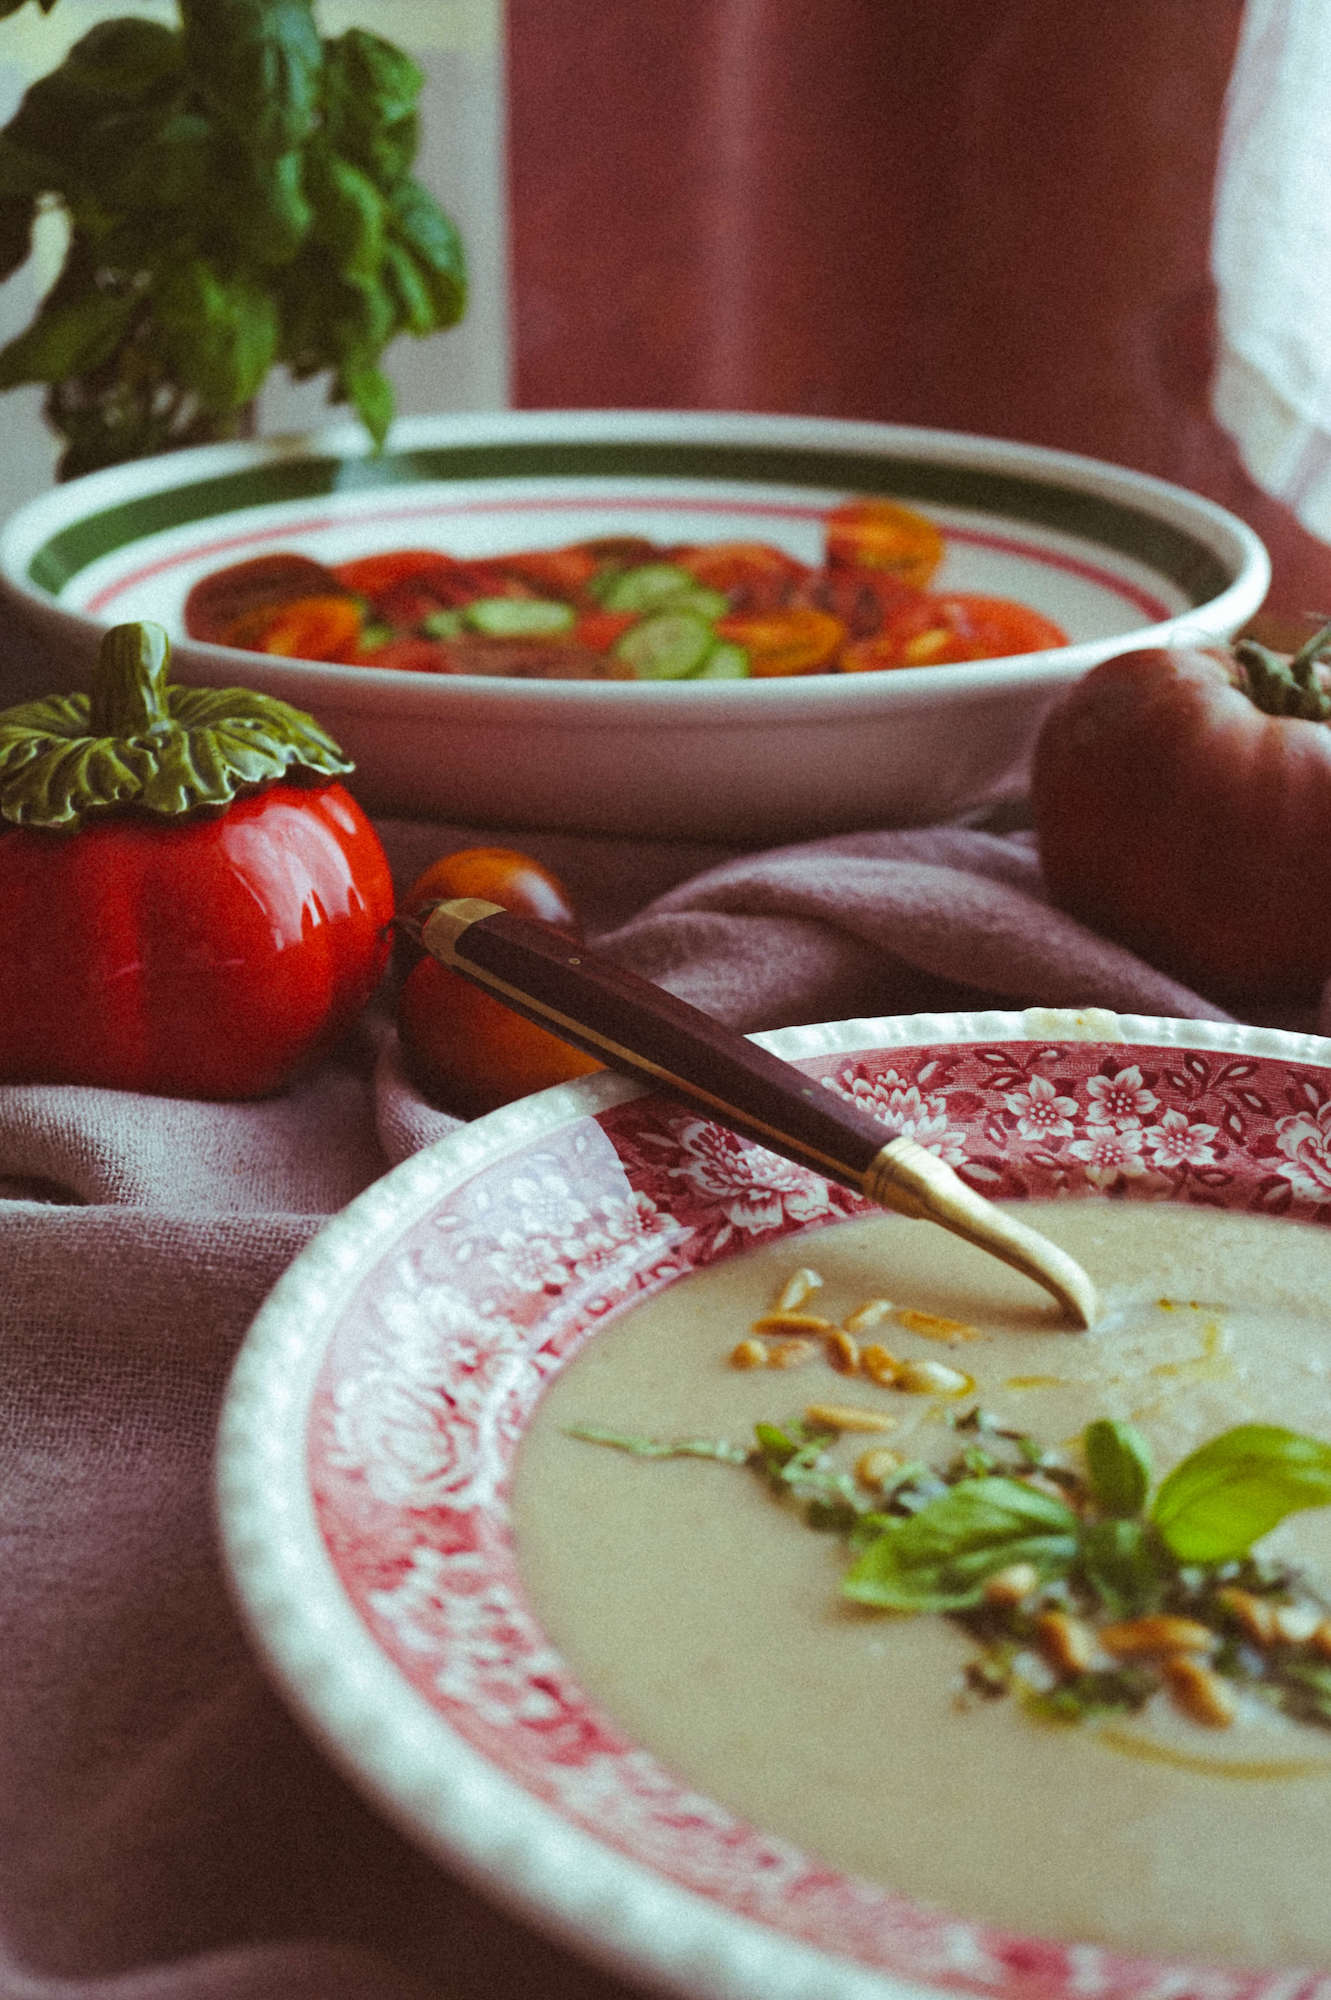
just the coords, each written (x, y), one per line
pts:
(463, 1047)
(303, 628)
(795, 641)
(880, 534)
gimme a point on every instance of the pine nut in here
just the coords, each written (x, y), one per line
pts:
(1066, 1643)
(874, 1467)
(843, 1352)
(880, 1366)
(791, 1353)
(749, 1354)
(1200, 1692)
(936, 1326)
(794, 1322)
(1011, 1585)
(1137, 1638)
(1254, 1616)
(870, 1312)
(932, 1378)
(797, 1288)
(848, 1417)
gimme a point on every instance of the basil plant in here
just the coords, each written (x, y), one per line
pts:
(240, 196)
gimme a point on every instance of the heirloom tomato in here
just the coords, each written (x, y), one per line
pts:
(189, 903)
(1182, 803)
(462, 1046)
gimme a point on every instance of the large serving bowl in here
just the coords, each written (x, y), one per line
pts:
(1112, 557)
(384, 1392)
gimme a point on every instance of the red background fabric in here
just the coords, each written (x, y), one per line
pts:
(981, 217)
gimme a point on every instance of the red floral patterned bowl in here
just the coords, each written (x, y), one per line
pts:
(375, 1410)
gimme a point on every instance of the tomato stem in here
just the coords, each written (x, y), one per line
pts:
(1287, 687)
(128, 694)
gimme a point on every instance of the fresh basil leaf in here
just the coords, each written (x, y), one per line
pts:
(219, 334)
(156, 163)
(371, 91)
(69, 336)
(258, 65)
(1118, 1465)
(940, 1558)
(370, 393)
(349, 214)
(1119, 1561)
(1237, 1487)
(17, 215)
(415, 305)
(272, 216)
(418, 222)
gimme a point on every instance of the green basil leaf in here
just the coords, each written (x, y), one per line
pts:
(1237, 1487)
(17, 215)
(370, 392)
(371, 91)
(219, 334)
(349, 214)
(23, 174)
(418, 222)
(270, 215)
(404, 281)
(258, 65)
(940, 1558)
(1119, 1561)
(160, 163)
(69, 336)
(1118, 1465)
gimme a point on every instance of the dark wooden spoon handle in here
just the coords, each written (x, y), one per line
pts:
(637, 1027)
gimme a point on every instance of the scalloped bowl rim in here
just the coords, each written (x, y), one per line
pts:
(441, 1792)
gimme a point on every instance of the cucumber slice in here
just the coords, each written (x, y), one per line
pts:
(669, 646)
(518, 617)
(725, 662)
(660, 587)
(442, 625)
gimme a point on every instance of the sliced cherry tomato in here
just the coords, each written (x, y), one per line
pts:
(464, 1047)
(799, 641)
(863, 599)
(881, 534)
(754, 576)
(216, 602)
(407, 655)
(940, 630)
(563, 573)
(370, 576)
(305, 628)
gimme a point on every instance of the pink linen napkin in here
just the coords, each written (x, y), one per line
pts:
(167, 1832)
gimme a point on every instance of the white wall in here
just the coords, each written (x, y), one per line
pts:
(459, 45)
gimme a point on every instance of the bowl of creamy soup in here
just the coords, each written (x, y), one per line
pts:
(777, 1596)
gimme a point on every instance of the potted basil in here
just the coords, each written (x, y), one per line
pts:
(240, 197)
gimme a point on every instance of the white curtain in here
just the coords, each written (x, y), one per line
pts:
(1272, 255)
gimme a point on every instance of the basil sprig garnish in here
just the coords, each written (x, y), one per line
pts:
(941, 1558)
(1007, 1535)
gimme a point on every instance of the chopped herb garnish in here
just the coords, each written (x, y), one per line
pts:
(1085, 1593)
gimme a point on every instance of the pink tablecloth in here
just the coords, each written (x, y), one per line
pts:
(166, 1831)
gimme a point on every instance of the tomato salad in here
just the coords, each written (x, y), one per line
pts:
(625, 608)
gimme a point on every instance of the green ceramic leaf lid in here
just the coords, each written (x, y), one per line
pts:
(136, 743)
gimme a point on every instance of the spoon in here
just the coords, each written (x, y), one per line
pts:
(639, 1028)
